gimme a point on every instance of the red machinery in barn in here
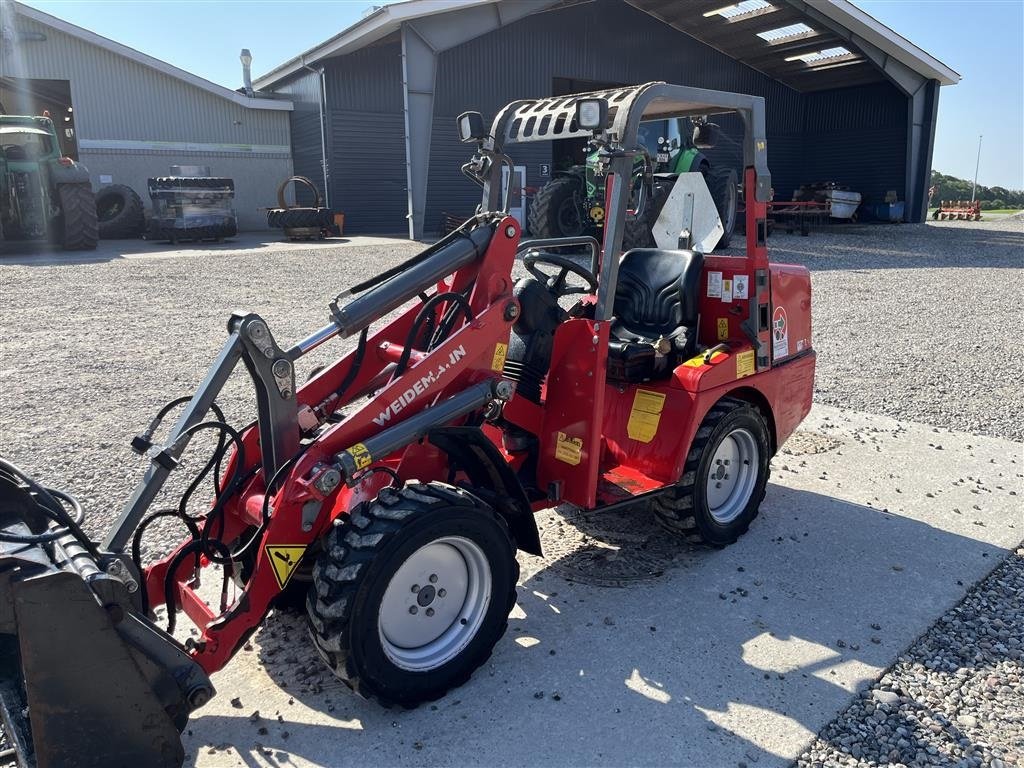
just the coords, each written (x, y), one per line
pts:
(399, 482)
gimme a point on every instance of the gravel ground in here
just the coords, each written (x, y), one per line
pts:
(919, 322)
(954, 698)
(88, 352)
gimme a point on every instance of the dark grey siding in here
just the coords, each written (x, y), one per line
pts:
(307, 158)
(606, 41)
(367, 139)
(857, 137)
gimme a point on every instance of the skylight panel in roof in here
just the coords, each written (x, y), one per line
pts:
(785, 33)
(822, 55)
(736, 10)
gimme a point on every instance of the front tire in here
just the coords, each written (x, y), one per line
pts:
(411, 593)
(724, 185)
(79, 228)
(557, 211)
(724, 479)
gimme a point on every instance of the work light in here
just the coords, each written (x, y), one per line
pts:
(592, 114)
(471, 127)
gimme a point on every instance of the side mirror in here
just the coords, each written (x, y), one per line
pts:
(592, 114)
(471, 127)
(705, 135)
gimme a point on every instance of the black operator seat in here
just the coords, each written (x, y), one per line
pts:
(655, 313)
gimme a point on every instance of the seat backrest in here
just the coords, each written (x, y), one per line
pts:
(657, 290)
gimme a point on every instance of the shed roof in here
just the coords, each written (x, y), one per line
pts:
(148, 61)
(806, 44)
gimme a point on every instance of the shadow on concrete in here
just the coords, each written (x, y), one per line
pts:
(716, 657)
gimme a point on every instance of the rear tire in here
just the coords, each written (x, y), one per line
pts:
(724, 185)
(79, 229)
(724, 479)
(411, 593)
(555, 210)
(119, 212)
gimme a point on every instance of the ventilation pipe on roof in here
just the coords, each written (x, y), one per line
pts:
(246, 58)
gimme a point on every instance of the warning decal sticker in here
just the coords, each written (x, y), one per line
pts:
(745, 364)
(696, 362)
(715, 285)
(723, 328)
(645, 415)
(740, 286)
(284, 559)
(360, 456)
(780, 334)
(569, 449)
(498, 361)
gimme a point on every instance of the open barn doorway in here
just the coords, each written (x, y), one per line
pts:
(24, 96)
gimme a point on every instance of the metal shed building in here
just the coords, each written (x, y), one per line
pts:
(848, 99)
(128, 116)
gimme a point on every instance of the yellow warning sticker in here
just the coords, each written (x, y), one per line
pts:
(360, 455)
(745, 364)
(284, 559)
(569, 449)
(723, 328)
(645, 415)
(498, 361)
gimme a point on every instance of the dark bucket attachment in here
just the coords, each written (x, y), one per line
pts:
(85, 679)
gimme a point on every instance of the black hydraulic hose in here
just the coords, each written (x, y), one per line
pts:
(193, 530)
(426, 311)
(46, 500)
(441, 333)
(176, 561)
(357, 363)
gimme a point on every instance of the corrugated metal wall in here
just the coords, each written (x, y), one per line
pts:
(366, 142)
(857, 137)
(854, 136)
(116, 98)
(306, 137)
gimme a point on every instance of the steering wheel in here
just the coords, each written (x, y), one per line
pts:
(557, 284)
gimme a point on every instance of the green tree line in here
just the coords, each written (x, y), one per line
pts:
(952, 188)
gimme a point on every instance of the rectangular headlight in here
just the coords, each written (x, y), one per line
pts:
(471, 127)
(592, 114)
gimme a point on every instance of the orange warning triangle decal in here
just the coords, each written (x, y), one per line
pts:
(284, 559)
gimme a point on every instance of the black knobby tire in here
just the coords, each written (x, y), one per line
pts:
(119, 212)
(687, 512)
(355, 568)
(78, 227)
(549, 214)
(639, 234)
(724, 186)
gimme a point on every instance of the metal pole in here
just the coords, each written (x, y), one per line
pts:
(976, 164)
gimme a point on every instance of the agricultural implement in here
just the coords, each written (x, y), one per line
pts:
(395, 486)
(959, 210)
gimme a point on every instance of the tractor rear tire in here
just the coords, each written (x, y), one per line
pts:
(119, 212)
(420, 551)
(724, 185)
(555, 210)
(79, 228)
(731, 443)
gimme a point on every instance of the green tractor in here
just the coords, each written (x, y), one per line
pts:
(43, 195)
(572, 203)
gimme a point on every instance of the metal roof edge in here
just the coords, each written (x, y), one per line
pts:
(148, 61)
(889, 41)
(375, 26)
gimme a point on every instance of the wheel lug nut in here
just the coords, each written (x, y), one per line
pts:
(413, 610)
(727, 462)
(430, 611)
(727, 477)
(433, 578)
(718, 461)
(718, 485)
(415, 588)
(441, 592)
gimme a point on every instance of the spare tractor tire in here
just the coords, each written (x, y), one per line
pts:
(293, 218)
(119, 212)
(77, 224)
(555, 210)
(724, 186)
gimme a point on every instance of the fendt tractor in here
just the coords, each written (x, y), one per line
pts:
(43, 195)
(403, 477)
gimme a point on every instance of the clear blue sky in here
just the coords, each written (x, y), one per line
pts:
(983, 40)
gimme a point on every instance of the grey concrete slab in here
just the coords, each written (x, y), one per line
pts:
(870, 530)
(245, 243)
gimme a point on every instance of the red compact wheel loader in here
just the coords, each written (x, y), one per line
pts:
(397, 484)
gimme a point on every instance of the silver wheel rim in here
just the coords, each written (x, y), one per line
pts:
(732, 475)
(435, 604)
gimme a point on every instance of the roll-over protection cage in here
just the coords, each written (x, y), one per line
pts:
(553, 118)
